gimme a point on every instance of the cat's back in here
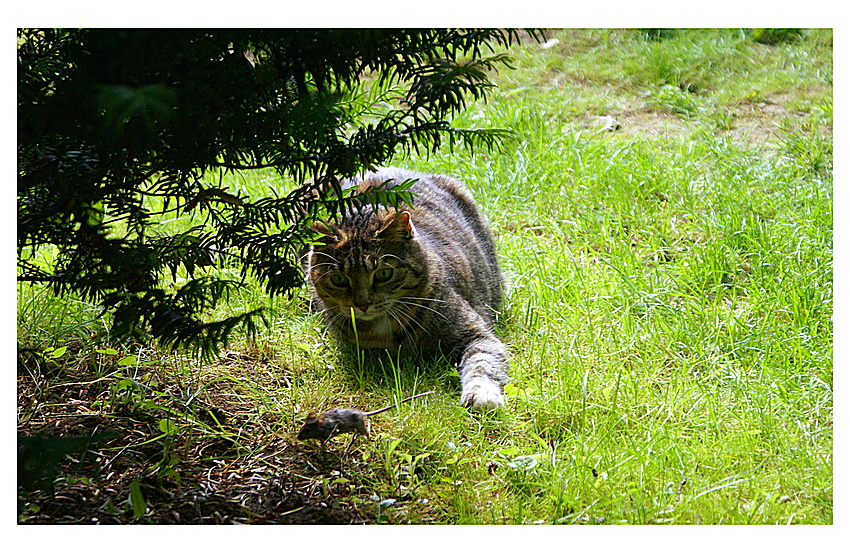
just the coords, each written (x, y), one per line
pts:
(433, 192)
(440, 202)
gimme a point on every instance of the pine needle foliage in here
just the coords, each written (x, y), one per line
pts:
(118, 129)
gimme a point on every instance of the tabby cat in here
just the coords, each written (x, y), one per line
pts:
(422, 278)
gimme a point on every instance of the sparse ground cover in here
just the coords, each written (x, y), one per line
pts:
(664, 215)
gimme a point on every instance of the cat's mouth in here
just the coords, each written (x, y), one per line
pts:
(368, 313)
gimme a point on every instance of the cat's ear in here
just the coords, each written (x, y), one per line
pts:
(399, 227)
(326, 235)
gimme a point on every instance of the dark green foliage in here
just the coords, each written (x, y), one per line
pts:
(658, 34)
(775, 36)
(764, 36)
(117, 127)
(39, 456)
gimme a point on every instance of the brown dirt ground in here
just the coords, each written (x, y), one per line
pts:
(238, 472)
(753, 124)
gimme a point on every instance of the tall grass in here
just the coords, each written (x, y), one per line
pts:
(670, 303)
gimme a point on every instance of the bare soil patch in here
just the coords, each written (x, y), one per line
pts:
(82, 463)
(753, 124)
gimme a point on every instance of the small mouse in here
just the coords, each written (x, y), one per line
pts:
(339, 421)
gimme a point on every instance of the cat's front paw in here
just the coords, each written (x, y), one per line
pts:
(482, 395)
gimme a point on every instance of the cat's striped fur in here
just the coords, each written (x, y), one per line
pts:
(423, 279)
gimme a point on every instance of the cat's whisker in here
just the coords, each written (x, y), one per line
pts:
(333, 313)
(390, 313)
(329, 312)
(390, 256)
(324, 265)
(316, 281)
(400, 308)
(423, 299)
(425, 307)
(335, 260)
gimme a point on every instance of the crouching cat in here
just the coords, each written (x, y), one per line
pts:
(422, 278)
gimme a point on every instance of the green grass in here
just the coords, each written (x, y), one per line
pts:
(670, 307)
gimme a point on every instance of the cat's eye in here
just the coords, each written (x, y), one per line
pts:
(383, 275)
(339, 280)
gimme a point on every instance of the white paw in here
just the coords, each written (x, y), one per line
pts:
(482, 395)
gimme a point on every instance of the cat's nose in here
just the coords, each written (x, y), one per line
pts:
(363, 307)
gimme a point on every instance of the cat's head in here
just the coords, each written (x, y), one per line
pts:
(367, 264)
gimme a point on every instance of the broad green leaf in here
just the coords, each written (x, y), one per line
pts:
(137, 500)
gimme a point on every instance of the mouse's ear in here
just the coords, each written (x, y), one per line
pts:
(311, 418)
